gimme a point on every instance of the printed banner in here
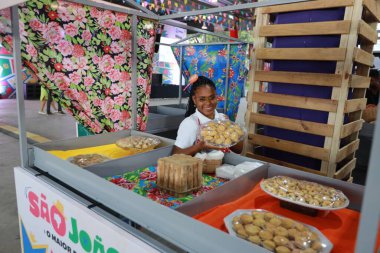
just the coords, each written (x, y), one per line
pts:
(51, 222)
(82, 54)
(211, 61)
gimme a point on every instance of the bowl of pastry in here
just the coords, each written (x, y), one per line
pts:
(85, 160)
(221, 133)
(276, 233)
(138, 143)
(305, 193)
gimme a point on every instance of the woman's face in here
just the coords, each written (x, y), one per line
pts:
(205, 100)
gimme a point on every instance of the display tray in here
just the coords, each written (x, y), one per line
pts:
(59, 148)
(162, 220)
(327, 208)
(325, 243)
(162, 118)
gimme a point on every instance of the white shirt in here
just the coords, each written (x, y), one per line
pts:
(188, 129)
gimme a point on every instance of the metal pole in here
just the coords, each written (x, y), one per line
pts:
(228, 8)
(227, 75)
(19, 87)
(180, 75)
(370, 212)
(134, 72)
(187, 38)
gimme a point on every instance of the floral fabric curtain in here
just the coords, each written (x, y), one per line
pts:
(211, 61)
(82, 54)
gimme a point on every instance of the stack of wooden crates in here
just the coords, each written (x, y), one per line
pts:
(353, 59)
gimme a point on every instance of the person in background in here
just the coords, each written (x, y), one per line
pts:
(43, 99)
(201, 108)
(372, 93)
(51, 102)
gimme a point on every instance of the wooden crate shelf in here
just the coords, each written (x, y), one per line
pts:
(357, 32)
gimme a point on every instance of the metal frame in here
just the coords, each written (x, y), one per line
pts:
(370, 208)
(370, 213)
(19, 87)
(134, 72)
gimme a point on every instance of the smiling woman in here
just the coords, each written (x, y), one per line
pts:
(201, 109)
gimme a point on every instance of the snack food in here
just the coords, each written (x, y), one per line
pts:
(221, 133)
(138, 142)
(309, 239)
(305, 193)
(179, 174)
(88, 159)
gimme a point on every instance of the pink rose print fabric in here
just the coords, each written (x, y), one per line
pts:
(83, 56)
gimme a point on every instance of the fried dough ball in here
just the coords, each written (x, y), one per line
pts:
(275, 221)
(255, 239)
(293, 233)
(270, 227)
(282, 249)
(237, 226)
(265, 235)
(301, 242)
(287, 223)
(258, 215)
(281, 231)
(268, 216)
(259, 222)
(280, 240)
(252, 229)
(241, 233)
(316, 245)
(269, 244)
(246, 218)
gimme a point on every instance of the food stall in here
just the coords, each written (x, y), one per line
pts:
(65, 208)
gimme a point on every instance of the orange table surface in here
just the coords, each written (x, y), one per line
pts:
(339, 226)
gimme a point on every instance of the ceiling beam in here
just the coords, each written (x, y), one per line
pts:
(229, 8)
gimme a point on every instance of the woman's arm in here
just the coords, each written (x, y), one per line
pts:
(192, 150)
(237, 148)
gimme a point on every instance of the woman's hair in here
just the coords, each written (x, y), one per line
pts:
(201, 81)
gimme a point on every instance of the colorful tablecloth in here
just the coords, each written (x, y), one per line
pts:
(340, 226)
(143, 182)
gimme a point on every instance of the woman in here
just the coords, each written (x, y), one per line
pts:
(201, 109)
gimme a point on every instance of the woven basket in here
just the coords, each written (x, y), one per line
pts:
(209, 166)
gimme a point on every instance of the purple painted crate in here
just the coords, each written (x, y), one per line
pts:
(301, 90)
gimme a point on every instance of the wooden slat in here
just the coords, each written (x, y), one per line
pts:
(293, 124)
(319, 104)
(347, 150)
(290, 146)
(354, 105)
(359, 81)
(307, 54)
(302, 29)
(363, 57)
(371, 6)
(346, 170)
(351, 128)
(367, 32)
(317, 79)
(282, 163)
(310, 5)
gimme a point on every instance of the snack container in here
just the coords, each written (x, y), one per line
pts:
(305, 193)
(88, 159)
(221, 133)
(138, 143)
(276, 233)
